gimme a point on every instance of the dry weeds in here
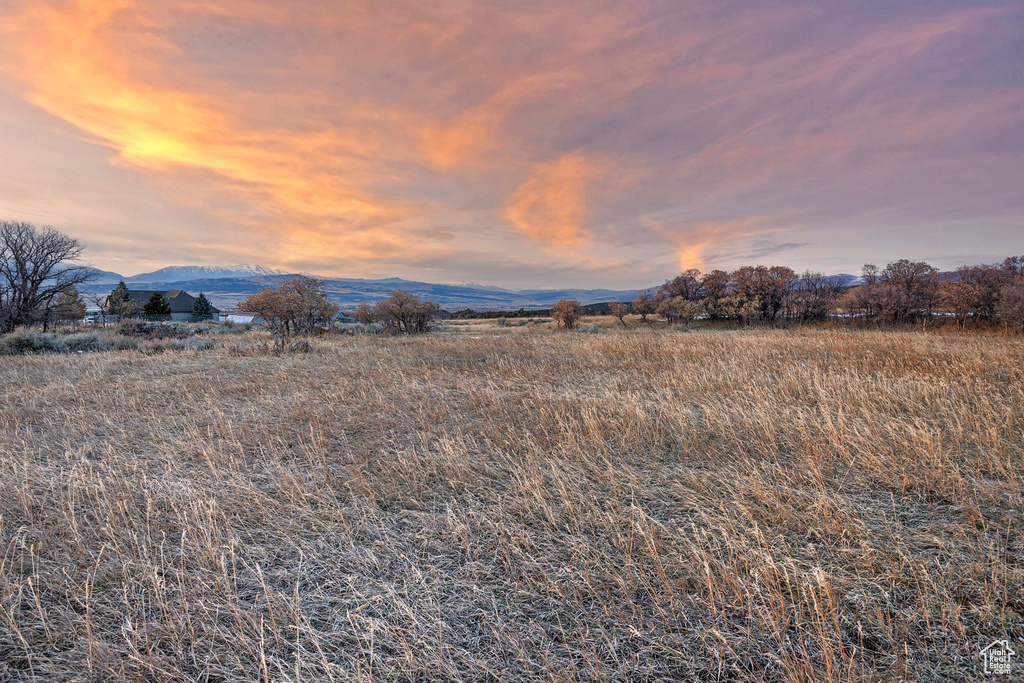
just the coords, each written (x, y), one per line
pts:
(526, 505)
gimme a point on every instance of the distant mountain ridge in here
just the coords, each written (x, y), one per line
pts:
(225, 289)
(227, 285)
(183, 273)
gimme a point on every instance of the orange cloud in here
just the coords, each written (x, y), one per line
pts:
(550, 206)
(476, 131)
(76, 69)
(694, 238)
(469, 135)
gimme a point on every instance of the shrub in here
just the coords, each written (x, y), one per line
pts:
(161, 345)
(401, 312)
(265, 349)
(567, 312)
(154, 330)
(225, 327)
(297, 306)
(25, 341)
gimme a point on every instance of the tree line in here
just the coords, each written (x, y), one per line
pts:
(903, 291)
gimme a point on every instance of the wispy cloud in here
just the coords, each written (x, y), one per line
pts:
(388, 138)
(550, 206)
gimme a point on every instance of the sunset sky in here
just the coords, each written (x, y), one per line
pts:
(549, 143)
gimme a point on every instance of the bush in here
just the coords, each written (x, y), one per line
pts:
(27, 341)
(265, 349)
(567, 312)
(154, 330)
(226, 327)
(191, 344)
(298, 306)
(401, 312)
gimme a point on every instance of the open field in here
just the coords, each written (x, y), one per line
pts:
(526, 505)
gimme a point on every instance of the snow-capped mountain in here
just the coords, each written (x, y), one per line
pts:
(179, 273)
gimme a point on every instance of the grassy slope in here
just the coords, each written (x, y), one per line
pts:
(530, 505)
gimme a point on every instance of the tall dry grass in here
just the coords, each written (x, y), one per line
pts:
(528, 505)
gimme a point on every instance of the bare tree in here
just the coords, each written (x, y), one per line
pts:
(900, 292)
(768, 288)
(960, 297)
(36, 265)
(297, 306)
(686, 285)
(364, 313)
(643, 307)
(619, 310)
(1010, 306)
(308, 303)
(670, 308)
(98, 301)
(1013, 267)
(567, 312)
(912, 288)
(715, 287)
(814, 296)
(986, 280)
(274, 312)
(401, 312)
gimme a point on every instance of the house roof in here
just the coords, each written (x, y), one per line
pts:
(999, 645)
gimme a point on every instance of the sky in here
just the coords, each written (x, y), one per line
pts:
(517, 143)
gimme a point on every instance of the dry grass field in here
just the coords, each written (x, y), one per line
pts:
(490, 503)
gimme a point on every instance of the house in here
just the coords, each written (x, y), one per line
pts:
(181, 302)
(344, 319)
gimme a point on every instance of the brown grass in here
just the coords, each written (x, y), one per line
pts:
(629, 504)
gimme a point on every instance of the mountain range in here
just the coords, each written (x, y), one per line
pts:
(227, 285)
(184, 273)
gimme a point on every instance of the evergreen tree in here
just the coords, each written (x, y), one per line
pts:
(157, 305)
(120, 303)
(69, 305)
(202, 309)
